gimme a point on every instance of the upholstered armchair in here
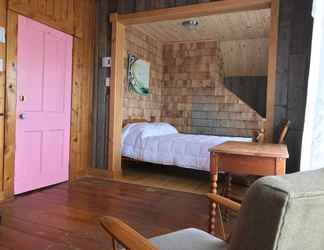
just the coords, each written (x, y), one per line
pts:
(282, 213)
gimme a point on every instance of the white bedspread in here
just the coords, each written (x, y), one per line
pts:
(160, 143)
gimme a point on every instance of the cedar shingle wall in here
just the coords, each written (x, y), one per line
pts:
(194, 97)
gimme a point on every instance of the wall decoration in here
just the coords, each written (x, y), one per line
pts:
(138, 75)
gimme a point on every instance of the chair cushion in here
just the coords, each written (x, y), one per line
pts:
(188, 239)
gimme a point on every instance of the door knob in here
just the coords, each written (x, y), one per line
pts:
(22, 98)
(22, 116)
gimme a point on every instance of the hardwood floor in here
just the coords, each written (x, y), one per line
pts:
(66, 216)
(172, 178)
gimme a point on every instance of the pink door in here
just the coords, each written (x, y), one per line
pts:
(44, 67)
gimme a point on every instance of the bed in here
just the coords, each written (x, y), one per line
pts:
(161, 143)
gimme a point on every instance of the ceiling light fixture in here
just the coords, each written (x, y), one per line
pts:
(190, 24)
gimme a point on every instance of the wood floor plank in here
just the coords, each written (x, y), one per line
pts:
(55, 235)
(67, 216)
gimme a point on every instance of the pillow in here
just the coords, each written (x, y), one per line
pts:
(158, 129)
(132, 131)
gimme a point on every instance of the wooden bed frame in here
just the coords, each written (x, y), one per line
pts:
(136, 120)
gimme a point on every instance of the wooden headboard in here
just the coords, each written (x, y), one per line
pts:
(136, 119)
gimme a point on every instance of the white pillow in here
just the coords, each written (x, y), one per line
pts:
(158, 129)
(133, 133)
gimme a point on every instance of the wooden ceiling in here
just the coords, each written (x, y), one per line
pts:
(222, 27)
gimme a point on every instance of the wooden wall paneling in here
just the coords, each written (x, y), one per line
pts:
(75, 144)
(142, 5)
(156, 4)
(126, 6)
(182, 12)
(253, 54)
(101, 92)
(75, 137)
(58, 14)
(250, 89)
(77, 22)
(97, 75)
(166, 3)
(83, 63)
(10, 108)
(99, 147)
(3, 23)
(272, 70)
(295, 36)
(187, 2)
(116, 97)
(88, 40)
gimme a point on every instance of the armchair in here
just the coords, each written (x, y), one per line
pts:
(282, 213)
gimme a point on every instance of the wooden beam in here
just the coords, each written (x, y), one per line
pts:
(76, 113)
(116, 97)
(3, 23)
(57, 14)
(83, 61)
(189, 11)
(272, 70)
(10, 109)
(88, 18)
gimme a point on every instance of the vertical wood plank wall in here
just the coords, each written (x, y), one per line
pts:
(76, 18)
(55, 13)
(3, 23)
(10, 105)
(272, 70)
(295, 37)
(101, 93)
(294, 15)
(83, 64)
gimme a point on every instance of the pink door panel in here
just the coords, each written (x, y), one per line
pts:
(44, 69)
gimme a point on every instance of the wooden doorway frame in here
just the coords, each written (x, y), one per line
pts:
(120, 21)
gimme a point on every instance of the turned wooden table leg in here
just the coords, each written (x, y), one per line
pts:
(213, 206)
(228, 190)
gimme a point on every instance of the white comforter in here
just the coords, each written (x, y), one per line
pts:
(161, 143)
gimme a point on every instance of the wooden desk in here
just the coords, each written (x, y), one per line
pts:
(245, 158)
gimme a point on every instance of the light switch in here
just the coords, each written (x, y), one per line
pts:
(107, 82)
(1, 65)
(106, 62)
(2, 35)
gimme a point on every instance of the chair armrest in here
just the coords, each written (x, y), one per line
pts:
(125, 235)
(228, 203)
